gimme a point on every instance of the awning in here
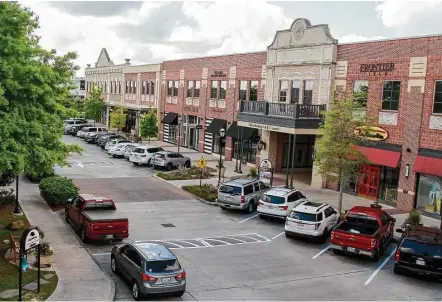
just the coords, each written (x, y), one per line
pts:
(216, 125)
(380, 157)
(237, 132)
(428, 165)
(171, 118)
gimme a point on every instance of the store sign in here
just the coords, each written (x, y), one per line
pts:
(377, 68)
(267, 127)
(266, 171)
(218, 74)
(371, 133)
(29, 239)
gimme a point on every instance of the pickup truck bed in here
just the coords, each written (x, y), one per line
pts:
(357, 228)
(103, 216)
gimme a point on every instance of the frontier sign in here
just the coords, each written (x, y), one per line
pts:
(377, 68)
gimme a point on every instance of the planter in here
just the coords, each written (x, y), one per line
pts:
(376, 206)
(45, 261)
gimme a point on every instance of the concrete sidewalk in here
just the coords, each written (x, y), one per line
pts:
(79, 277)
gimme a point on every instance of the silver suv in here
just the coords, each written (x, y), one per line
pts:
(241, 194)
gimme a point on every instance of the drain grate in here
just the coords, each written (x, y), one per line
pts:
(167, 225)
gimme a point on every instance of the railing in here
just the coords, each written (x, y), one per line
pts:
(282, 109)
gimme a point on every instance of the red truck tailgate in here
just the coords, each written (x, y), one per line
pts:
(348, 239)
(109, 227)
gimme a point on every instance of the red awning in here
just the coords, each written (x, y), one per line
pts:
(380, 157)
(428, 165)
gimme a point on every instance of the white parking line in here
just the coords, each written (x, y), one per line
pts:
(101, 254)
(248, 218)
(266, 239)
(180, 246)
(278, 235)
(225, 242)
(203, 242)
(321, 252)
(185, 241)
(380, 267)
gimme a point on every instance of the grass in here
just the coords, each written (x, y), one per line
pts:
(206, 191)
(9, 272)
(191, 173)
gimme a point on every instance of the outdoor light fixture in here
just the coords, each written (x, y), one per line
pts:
(407, 170)
(222, 132)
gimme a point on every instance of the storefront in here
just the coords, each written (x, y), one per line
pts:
(428, 165)
(190, 132)
(303, 149)
(170, 129)
(131, 120)
(245, 142)
(211, 139)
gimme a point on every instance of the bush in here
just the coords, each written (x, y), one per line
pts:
(253, 172)
(57, 190)
(38, 178)
(7, 197)
(414, 218)
(206, 191)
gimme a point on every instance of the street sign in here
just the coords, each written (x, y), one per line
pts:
(29, 239)
(265, 172)
(202, 163)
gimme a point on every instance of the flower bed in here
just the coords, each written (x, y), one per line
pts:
(207, 192)
(187, 173)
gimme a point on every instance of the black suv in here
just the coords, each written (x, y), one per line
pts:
(105, 138)
(419, 251)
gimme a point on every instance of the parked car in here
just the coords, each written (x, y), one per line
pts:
(169, 160)
(278, 202)
(118, 149)
(73, 129)
(85, 130)
(151, 268)
(311, 220)
(129, 149)
(97, 137)
(419, 251)
(241, 194)
(364, 231)
(113, 142)
(96, 218)
(102, 141)
(143, 155)
(90, 136)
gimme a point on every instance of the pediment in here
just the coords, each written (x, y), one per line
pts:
(300, 34)
(104, 59)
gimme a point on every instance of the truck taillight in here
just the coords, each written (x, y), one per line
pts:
(332, 235)
(317, 225)
(181, 275)
(260, 203)
(243, 199)
(397, 256)
(148, 278)
(284, 208)
(144, 155)
(373, 243)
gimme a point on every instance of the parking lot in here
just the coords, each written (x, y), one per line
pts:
(229, 255)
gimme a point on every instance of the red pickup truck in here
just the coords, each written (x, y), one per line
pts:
(96, 218)
(364, 231)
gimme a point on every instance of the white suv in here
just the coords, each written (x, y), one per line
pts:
(311, 219)
(279, 201)
(142, 155)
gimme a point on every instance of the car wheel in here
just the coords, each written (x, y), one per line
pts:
(114, 266)
(376, 255)
(251, 207)
(223, 208)
(149, 163)
(187, 164)
(260, 216)
(287, 235)
(324, 236)
(136, 164)
(169, 166)
(397, 270)
(179, 294)
(83, 236)
(135, 291)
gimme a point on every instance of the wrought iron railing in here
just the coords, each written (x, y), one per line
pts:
(282, 109)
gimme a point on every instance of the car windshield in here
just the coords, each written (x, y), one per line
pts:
(163, 266)
(273, 199)
(419, 247)
(119, 145)
(231, 190)
(304, 216)
(139, 150)
(99, 205)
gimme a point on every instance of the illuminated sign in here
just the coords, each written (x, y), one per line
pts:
(371, 133)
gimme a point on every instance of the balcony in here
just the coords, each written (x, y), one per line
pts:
(280, 114)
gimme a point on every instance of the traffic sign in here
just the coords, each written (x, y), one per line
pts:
(202, 163)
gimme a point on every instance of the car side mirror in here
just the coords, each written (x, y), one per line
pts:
(400, 231)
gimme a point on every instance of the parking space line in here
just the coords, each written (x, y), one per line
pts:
(380, 267)
(168, 242)
(203, 242)
(278, 235)
(225, 242)
(248, 218)
(248, 237)
(321, 252)
(185, 241)
(239, 240)
(101, 254)
(266, 239)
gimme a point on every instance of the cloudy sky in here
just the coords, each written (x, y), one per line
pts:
(150, 32)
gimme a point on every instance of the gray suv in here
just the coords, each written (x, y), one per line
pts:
(151, 268)
(241, 194)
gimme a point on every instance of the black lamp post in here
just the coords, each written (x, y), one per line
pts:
(17, 209)
(222, 133)
(178, 142)
(138, 126)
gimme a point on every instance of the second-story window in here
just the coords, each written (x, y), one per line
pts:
(242, 90)
(175, 88)
(308, 92)
(437, 107)
(190, 88)
(152, 88)
(196, 91)
(222, 90)
(119, 86)
(360, 92)
(294, 97)
(390, 95)
(283, 87)
(135, 87)
(170, 88)
(214, 90)
(253, 95)
(127, 87)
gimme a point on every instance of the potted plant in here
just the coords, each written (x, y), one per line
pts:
(413, 218)
(46, 253)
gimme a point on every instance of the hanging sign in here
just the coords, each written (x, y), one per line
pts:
(265, 173)
(371, 133)
(29, 239)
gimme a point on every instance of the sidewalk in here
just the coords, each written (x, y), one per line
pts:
(79, 277)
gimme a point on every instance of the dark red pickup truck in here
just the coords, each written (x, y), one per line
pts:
(364, 231)
(96, 218)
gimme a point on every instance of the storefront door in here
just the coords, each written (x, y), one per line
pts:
(368, 183)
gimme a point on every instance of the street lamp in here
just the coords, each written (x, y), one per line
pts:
(138, 126)
(179, 133)
(17, 210)
(222, 133)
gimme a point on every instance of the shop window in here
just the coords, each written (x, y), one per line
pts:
(429, 194)
(253, 96)
(196, 90)
(242, 90)
(437, 107)
(296, 85)
(214, 90)
(308, 92)
(222, 90)
(283, 87)
(360, 92)
(190, 89)
(390, 95)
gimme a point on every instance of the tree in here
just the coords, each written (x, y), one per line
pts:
(34, 83)
(148, 125)
(94, 105)
(336, 156)
(118, 118)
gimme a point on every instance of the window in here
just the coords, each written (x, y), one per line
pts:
(256, 186)
(152, 88)
(143, 87)
(283, 86)
(390, 95)
(273, 199)
(135, 87)
(253, 96)
(437, 107)
(175, 88)
(127, 87)
(308, 92)
(190, 89)
(170, 88)
(214, 90)
(82, 84)
(163, 266)
(196, 91)
(242, 90)
(248, 190)
(360, 92)
(296, 85)
(119, 86)
(222, 90)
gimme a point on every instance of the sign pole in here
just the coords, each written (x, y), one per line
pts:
(20, 275)
(38, 265)
(201, 177)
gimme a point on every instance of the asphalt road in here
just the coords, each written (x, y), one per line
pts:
(233, 256)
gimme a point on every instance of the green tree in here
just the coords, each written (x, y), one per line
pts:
(148, 125)
(118, 118)
(34, 83)
(94, 105)
(336, 156)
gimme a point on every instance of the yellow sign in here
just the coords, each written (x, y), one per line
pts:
(371, 133)
(202, 163)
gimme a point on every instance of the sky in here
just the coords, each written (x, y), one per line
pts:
(155, 31)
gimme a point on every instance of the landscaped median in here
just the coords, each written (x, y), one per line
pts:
(205, 192)
(188, 173)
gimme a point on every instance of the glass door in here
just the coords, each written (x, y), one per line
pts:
(368, 184)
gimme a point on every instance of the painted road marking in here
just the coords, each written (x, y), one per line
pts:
(248, 218)
(380, 267)
(101, 254)
(321, 252)
(278, 235)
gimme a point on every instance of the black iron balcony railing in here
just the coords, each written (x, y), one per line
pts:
(281, 109)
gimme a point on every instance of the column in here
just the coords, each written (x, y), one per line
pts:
(318, 180)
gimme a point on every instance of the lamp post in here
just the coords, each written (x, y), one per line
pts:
(222, 133)
(238, 152)
(17, 210)
(138, 126)
(178, 142)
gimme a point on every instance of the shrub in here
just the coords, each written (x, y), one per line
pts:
(253, 172)
(57, 190)
(7, 197)
(207, 192)
(414, 218)
(39, 177)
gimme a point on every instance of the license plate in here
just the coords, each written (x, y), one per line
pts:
(351, 249)
(165, 280)
(109, 236)
(420, 262)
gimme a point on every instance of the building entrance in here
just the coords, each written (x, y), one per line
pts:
(368, 183)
